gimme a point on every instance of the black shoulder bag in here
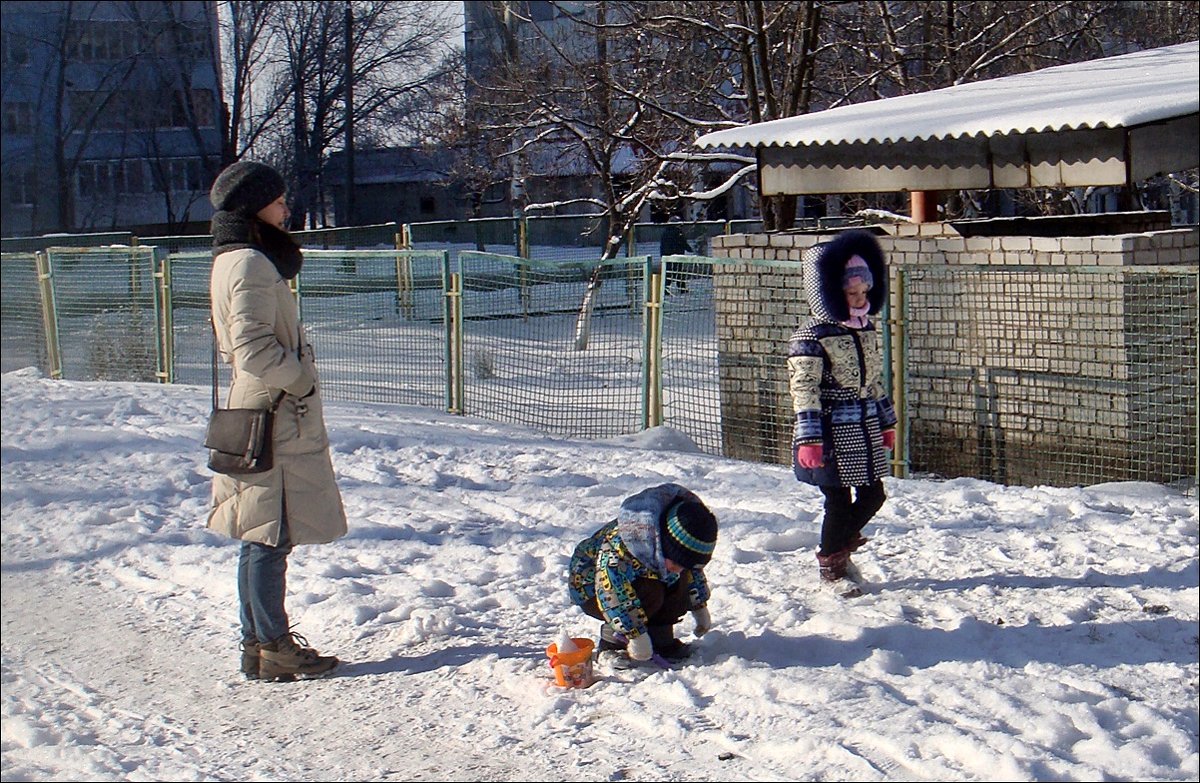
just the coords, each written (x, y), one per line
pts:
(238, 439)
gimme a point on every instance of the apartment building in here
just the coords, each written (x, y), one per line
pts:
(112, 116)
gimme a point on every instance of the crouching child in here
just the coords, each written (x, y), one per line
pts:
(640, 573)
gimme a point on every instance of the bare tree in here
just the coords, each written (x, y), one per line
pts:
(397, 58)
(253, 99)
(573, 103)
(173, 49)
(119, 88)
(767, 55)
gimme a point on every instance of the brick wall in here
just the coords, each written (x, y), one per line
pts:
(1027, 359)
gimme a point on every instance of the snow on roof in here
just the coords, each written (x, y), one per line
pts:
(1113, 92)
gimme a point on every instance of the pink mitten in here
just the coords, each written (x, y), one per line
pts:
(809, 455)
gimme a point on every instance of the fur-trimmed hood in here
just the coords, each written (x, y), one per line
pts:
(824, 264)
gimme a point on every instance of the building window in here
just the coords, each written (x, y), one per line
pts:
(179, 175)
(18, 117)
(105, 178)
(176, 39)
(135, 176)
(127, 110)
(16, 49)
(18, 187)
(94, 41)
(428, 205)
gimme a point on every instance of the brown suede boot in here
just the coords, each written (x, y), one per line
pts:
(289, 657)
(250, 658)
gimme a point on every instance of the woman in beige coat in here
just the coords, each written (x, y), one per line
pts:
(258, 331)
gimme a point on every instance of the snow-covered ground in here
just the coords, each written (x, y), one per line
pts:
(1007, 633)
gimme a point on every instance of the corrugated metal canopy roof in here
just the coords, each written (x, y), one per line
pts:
(1114, 92)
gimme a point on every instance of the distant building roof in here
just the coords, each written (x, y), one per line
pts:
(394, 165)
(1099, 122)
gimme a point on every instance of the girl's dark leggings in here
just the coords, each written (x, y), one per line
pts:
(845, 518)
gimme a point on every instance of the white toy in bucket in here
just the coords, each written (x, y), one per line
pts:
(571, 660)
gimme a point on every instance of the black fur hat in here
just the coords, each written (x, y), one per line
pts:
(246, 187)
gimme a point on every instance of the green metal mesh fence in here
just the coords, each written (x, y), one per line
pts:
(1060, 377)
(179, 243)
(648, 237)
(34, 244)
(758, 303)
(1026, 375)
(690, 373)
(486, 235)
(561, 238)
(106, 315)
(375, 319)
(190, 330)
(520, 353)
(381, 236)
(24, 330)
(376, 322)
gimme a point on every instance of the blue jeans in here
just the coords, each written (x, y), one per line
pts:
(262, 586)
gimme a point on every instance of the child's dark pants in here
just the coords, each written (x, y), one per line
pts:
(844, 519)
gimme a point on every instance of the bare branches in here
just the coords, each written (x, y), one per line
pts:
(290, 84)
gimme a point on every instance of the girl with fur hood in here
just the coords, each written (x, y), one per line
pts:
(643, 570)
(844, 418)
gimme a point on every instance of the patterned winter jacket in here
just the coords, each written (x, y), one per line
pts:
(605, 565)
(835, 372)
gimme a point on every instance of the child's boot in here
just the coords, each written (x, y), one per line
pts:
(837, 573)
(666, 645)
(833, 567)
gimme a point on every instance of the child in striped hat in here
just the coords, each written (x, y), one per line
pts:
(644, 570)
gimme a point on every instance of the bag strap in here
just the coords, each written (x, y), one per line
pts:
(215, 404)
(214, 362)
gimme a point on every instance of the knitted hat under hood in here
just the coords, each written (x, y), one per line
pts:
(825, 269)
(689, 534)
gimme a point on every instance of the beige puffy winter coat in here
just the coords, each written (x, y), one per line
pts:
(258, 331)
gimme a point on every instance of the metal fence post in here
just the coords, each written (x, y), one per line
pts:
(45, 275)
(294, 284)
(652, 403)
(452, 290)
(404, 284)
(898, 373)
(523, 284)
(164, 317)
